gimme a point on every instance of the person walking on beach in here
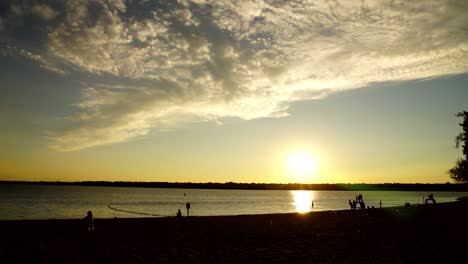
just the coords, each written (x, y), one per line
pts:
(89, 221)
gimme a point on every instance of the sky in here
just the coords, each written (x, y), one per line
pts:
(219, 91)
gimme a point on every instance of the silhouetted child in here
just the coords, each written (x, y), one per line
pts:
(89, 221)
(179, 214)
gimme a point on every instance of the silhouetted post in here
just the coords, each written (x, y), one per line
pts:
(380, 203)
(187, 205)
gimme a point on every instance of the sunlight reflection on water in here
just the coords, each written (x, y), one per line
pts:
(25, 201)
(302, 200)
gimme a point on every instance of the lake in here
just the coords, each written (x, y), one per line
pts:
(24, 201)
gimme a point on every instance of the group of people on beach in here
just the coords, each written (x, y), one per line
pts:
(358, 200)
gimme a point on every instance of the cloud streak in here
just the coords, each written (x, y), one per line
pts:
(205, 60)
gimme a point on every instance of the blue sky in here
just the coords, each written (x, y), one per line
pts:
(200, 90)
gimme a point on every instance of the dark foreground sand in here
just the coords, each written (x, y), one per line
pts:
(435, 234)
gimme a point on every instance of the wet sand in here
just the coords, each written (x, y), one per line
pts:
(429, 234)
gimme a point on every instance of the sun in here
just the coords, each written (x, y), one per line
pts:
(301, 165)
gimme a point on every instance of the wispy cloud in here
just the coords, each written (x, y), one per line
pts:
(207, 60)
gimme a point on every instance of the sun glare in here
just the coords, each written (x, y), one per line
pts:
(301, 165)
(302, 201)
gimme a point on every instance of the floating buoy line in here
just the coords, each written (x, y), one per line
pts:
(132, 212)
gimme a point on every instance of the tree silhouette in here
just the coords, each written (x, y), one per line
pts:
(459, 172)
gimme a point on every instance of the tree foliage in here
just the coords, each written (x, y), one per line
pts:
(459, 172)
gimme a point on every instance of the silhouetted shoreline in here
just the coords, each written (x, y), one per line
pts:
(449, 187)
(419, 234)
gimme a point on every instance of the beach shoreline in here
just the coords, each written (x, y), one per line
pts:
(155, 216)
(427, 233)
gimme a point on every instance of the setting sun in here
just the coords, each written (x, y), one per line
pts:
(301, 165)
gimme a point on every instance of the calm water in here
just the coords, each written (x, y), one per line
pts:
(46, 202)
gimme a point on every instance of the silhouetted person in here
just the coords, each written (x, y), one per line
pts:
(350, 204)
(312, 204)
(89, 221)
(179, 214)
(187, 205)
(354, 205)
(380, 204)
(430, 198)
(359, 198)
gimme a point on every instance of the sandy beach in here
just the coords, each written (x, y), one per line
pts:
(420, 234)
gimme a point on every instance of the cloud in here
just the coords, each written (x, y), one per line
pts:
(43, 11)
(159, 64)
(27, 8)
(45, 63)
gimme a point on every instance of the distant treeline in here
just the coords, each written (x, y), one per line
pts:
(266, 186)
